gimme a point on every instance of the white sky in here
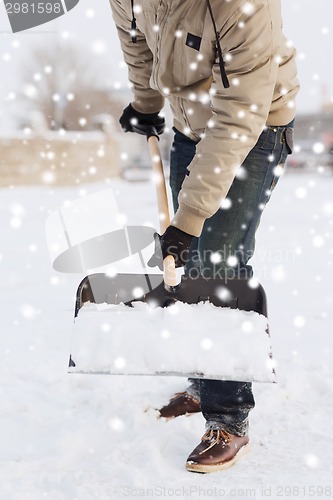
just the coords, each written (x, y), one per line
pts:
(308, 24)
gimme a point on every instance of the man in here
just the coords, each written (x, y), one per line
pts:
(230, 77)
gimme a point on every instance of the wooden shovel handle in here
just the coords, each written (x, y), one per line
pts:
(169, 268)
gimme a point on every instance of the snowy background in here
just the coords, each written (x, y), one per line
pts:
(71, 437)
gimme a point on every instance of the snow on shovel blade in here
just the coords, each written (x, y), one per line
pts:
(207, 328)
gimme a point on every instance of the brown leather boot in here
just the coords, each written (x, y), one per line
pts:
(183, 403)
(218, 450)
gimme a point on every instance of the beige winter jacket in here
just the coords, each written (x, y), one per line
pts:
(175, 57)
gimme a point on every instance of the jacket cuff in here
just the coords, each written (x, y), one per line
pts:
(188, 220)
(151, 104)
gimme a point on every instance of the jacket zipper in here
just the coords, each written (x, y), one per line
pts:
(158, 41)
(181, 105)
(157, 59)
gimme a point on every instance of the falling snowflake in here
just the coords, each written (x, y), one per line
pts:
(48, 177)
(253, 283)
(137, 292)
(105, 327)
(301, 193)
(278, 170)
(318, 241)
(327, 208)
(120, 363)
(111, 272)
(312, 461)
(226, 204)
(318, 147)
(206, 344)
(248, 8)
(278, 273)
(247, 326)
(241, 173)
(215, 258)
(117, 424)
(165, 334)
(30, 91)
(232, 261)
(99, 47)
(299, 321)
(90, 13)
(15, 222)
(29, 312)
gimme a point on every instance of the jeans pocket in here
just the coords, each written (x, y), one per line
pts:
(267, 139)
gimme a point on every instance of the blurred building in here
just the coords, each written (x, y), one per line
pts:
(313, 147)
(317, 127)
(57, 157)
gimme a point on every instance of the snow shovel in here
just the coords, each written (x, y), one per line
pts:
(148, 324)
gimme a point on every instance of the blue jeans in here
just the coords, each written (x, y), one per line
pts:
(231, 233)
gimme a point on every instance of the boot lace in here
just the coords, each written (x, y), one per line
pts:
(216, 436)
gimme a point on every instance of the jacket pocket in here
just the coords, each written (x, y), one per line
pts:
(192, 61)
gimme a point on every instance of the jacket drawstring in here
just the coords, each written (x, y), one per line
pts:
(224, 77)
(133, 24)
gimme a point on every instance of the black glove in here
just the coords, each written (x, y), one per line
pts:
(173, 242)
(134, 121)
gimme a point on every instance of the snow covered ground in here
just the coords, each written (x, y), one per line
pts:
(84, 437)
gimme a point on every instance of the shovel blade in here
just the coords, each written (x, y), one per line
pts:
(207, 328)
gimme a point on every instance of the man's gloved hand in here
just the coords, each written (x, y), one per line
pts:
(134, 121)
(173, 242)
